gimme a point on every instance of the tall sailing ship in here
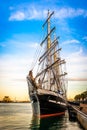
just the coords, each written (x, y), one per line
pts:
(47, 89)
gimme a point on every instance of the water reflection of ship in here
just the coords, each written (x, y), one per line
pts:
(35, 123)
(55, 122)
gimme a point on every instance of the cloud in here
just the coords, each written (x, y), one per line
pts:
(77, 79)
(85, 38)
(17, 16)
(78, 53)
(70, 13)
(19, 57)
(77, 65)
(13, 72)
(38, 13)
(34, 45)
(23, 45)
(19, 46)
(71, 41)
(14, 66)
(27, 14)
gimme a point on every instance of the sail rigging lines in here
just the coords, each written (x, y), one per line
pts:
(37, 53)
(48, 67)
(47, 56)
(53, 44)
(47, 35)
(35, 58)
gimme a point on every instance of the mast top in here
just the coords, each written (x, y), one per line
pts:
(49, 16)
(48, 12)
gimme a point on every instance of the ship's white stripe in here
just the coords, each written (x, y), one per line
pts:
(57, 102)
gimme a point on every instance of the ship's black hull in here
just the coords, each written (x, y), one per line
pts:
(48, 106)
(46, 101)
(43, 104)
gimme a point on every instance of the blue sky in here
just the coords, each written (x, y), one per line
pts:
(21, 31)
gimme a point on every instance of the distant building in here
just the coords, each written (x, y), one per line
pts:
(6, 99)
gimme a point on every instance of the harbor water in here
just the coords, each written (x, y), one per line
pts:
(18, 116)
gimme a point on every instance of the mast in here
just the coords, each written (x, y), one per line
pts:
(47, 56)
(48, 31)
(48, 47)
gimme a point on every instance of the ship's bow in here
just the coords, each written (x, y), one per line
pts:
(33, 98)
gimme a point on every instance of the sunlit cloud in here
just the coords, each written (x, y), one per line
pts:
(34, 45)
(28, 14)
(19, 15)
(78, 53)
(70, 13)
(35, 12)
(14, 66)
(15, 44)
(77, 79)
(71, 41)
(13, 72)
(77, 65)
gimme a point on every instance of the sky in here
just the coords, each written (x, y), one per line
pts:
(21, 32)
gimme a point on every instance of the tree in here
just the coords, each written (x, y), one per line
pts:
(77, 97)
(82, 96)
(6, 99)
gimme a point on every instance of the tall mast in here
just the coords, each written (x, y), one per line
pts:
(48, 31)
(48, 47)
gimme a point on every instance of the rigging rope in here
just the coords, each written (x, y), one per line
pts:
(37, 54)
(35, 58)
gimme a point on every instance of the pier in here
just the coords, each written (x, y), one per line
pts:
(75, 112)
